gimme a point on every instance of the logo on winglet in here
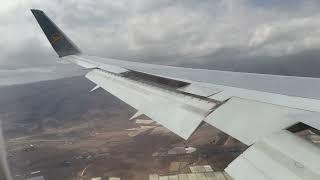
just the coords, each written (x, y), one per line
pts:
(55, 37)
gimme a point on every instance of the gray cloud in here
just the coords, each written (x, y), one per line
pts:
(222, 33)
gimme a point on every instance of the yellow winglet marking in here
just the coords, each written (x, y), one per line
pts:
(55, 37)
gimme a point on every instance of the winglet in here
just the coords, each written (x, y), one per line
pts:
(58, 40)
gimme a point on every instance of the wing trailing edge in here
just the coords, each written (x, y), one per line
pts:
(180, 113)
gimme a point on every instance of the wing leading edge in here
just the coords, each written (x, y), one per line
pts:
(256, 109)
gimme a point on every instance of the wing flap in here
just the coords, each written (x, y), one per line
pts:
(199, 90)
(249, 121)
(179, 113)
(277, 99)
(279, 156)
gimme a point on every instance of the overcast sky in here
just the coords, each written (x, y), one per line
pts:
(281, 37)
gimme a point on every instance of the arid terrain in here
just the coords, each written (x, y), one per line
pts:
(57, 129)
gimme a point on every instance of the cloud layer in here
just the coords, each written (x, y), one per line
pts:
(163, 31)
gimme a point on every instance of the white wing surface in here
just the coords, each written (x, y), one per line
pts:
(256, 109)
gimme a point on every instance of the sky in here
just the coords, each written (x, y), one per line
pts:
(279, 37)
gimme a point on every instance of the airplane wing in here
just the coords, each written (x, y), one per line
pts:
(260, 110)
